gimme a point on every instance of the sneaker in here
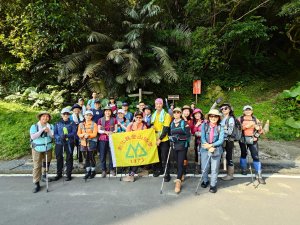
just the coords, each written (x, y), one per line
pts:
(87, 175)
(213, 189)
(68, 178)
(128, 178)
(103, 174)
(244, 172)
(204, 184)
(93, 174)
(156, 173)
(167, 178)
(112, 173)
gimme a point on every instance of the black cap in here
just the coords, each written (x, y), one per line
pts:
(97, 101)
(76, 106)
(147, 107)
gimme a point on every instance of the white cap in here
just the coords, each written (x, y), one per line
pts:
(247, 107)
(65, 110)
(88, 112)
(121, 111)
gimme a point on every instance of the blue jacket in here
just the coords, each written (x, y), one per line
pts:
(59, 136)
(218, 138)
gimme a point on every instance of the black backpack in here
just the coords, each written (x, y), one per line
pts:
(237, 130)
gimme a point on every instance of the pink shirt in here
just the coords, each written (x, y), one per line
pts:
(104, 137)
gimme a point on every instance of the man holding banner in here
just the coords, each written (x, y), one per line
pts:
(134, 148)
(161, 123)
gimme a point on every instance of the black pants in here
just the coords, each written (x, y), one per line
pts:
(196, 150)
(229, 149)
(89, 158)
(163, 150)
(179, 157)
(253, 149)
(60, 150)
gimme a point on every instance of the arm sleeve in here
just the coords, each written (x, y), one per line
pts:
(56, 136)
(230, 126)
(79, 131)
(203, 134)
(34, 134)
(213, 106)
(73, 131)
(164, 132)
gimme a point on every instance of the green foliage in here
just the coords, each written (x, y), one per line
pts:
(54, 99)
(293, 93)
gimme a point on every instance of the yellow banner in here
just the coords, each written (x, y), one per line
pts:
(134, 148)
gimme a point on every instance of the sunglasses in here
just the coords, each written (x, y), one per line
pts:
(224, 108)
(89, 115)
(213, 116)
(176, 112)
(66, 114)
(139, 117)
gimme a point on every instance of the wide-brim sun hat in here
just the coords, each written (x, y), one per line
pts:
(107, 108)
(187, 107)
(177, 109)
(213, 112)
(76, 106)
(88, 112)
(43, 113)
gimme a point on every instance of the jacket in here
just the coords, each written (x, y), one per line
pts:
(60, 137)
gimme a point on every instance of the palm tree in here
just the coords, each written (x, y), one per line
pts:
(139, 57)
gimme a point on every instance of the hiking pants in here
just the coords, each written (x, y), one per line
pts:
(214, 165)
(179, 157)
(253, 150)
(163, 150)
(60, 150)
(229, 145)
(90, 160)
(79, 153)
(103, 148)
(39, 161)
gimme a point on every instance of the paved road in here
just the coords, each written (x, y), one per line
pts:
(103, 201)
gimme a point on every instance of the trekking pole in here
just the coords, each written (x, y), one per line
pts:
(162, 183)
(209, 156)
(63, 169)
(47, 184)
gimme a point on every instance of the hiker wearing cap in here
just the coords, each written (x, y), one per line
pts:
(64, 135)
(106, 126)
(81, 104)
(91, 103)
(251, 130)
(128, 115)
(87, 132)
(137, 124)
(228, 145)
(198, 121)
(77, 118)
(97, 111)
(147, 115)
(179, 134)
(212, 138)
(113, 106)
(41, 135)
(122, 121)
(161, 121)
(187, 117)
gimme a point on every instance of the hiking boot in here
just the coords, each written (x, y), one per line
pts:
(167, 178)
(143, 173)
(157, 173)
(103, 174)
(112, 173)
(87, 175)
(57, 177)
(260, 179)
(37, 187)
(204, 184)
(68, 178)
(177, 186)
(244, 172)
(93, 174)
(230, 172)
(213, 189)
(128, 178)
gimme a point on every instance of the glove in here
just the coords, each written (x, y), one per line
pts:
(219, 100)
(63, 137)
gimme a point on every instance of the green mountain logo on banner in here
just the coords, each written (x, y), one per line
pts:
(135, 152)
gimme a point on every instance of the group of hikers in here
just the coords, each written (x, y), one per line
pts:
(87, 129)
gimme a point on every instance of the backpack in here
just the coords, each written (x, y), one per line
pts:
(237, 132)
(111, 123)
